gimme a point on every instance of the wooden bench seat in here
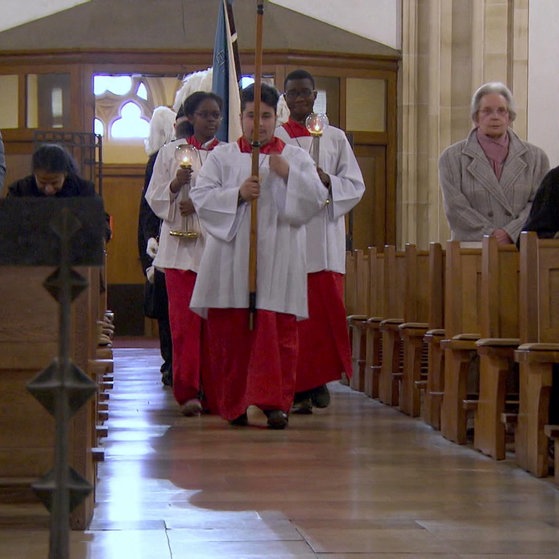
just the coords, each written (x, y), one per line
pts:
(357, 320)
(373, 335)
(462, 330)
(394, 295)
(500, 330)
(417, 291)
(539, 348)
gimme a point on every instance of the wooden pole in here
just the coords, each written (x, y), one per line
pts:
(255, 164)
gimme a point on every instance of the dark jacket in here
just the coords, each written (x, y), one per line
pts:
(73, 186)
(148, 223)
(544, 215)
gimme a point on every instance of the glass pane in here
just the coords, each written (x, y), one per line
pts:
(366, 105)
(48, 101)
(130, 124)
(142, 92)
(99, 127)
(9, 107)
(246, 81)
(119, 85)
(328, 98)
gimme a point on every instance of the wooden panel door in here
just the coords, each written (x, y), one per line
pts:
(367, 223)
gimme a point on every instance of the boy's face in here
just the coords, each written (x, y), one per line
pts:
(267, 122)
(300, 97)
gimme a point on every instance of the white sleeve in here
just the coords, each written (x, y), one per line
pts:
(347, 185)
(216, 199)
(158, 194)
(305, 193)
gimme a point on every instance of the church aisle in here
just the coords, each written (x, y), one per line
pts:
(356, 480)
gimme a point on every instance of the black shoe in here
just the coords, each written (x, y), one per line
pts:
(303, 407)
(302, 396)
(167, 378)
(320, 396)
(277, 419)
(241, 421)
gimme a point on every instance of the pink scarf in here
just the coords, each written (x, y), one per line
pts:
(495, 149)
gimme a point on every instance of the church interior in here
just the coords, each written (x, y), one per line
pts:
(437, 444)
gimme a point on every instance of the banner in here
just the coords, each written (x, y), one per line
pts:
(225, 81)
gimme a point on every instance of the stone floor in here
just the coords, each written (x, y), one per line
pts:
(356, 480)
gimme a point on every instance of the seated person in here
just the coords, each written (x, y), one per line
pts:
(54, 173)
(544, 213)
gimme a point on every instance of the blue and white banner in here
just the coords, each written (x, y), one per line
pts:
(225, 81)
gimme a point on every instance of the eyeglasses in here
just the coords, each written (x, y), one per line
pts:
(292, 94)
(216, 115)
(500, 111)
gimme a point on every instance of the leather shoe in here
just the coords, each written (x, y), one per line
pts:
(277, 419)
(320, 396)
(241, 421)
(303, 407)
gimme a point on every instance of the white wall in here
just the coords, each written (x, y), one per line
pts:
(18, 12)
(378, 20)
(543, 77)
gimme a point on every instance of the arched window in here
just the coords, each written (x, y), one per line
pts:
(130, 124)
(123, 107)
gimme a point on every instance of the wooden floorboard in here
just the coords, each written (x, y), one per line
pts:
(356, 480)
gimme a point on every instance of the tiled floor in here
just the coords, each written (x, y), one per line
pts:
(357, 480)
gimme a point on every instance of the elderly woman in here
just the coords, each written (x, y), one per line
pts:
(489, 180)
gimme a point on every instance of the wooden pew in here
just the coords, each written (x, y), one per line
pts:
(462, 330)
(373, 353)
(413, 329)
(499, 331)
(394, 294)
(358, 319)
(28, 344)
(434, 389)
(539, 349)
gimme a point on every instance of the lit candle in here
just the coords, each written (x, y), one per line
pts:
(316, 123)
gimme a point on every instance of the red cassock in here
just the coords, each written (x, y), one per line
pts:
(190, 349)
(251, 367)
(324, 350)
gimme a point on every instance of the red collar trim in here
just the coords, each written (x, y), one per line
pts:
(208, 146)
(275, 145)
(295, 129)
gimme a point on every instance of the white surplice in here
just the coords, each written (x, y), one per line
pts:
(326, 243)
(283, 209)
(175, 252)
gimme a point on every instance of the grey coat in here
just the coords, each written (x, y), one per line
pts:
(475, 202)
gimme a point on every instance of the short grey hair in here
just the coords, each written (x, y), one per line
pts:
(492, 87)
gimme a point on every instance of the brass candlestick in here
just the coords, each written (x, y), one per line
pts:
(185, 154)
